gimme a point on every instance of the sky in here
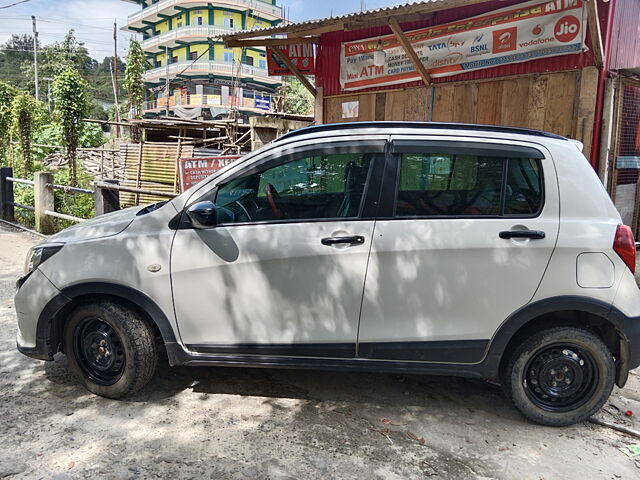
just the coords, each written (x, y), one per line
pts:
(93, 20)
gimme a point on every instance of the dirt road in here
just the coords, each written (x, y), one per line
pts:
(275, 424)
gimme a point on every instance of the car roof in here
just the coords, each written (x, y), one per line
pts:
(333, 128)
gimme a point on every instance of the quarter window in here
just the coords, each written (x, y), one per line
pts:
(467, 185)
(308, 188)
(523, 192)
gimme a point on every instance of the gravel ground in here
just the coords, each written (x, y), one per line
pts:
(224, 423)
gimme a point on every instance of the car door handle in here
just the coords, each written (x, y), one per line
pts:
(533, 234)
(354, 240)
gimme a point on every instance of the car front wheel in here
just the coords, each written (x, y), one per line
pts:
(110, 349)
(560, 376)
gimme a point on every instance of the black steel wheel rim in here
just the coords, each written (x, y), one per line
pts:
(560, 377)
(99, 351)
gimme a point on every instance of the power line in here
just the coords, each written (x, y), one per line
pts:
(14, 4)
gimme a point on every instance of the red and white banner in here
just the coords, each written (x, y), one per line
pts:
(524, 32)
(302, 57)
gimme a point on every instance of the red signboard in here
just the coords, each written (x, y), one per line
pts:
(194, 170)
(302, 56)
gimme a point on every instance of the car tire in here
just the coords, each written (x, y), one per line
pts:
(560, 376)
(110, 349)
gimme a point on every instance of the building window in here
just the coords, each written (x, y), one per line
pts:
(193, 55)
(248, 60)
(262, 64)
(158, 63)
(174, 59)
(198, 21)
(228, 56)
(228, 22)
(179, 24)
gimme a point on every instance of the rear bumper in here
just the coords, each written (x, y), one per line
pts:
(629, 330)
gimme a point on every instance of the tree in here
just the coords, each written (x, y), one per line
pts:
(134, 83)
(23, 123)
(134, 78)
(298, 99)
(7, 94)
(15, 53)
(71, 106)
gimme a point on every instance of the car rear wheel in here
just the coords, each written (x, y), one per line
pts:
(110, 349)
(560, 376)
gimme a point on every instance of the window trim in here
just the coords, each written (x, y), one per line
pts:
(375, 147)
(506, 151)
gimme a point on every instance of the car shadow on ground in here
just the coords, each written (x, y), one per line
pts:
(436, 393)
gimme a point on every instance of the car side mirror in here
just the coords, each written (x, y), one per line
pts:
(203, 215)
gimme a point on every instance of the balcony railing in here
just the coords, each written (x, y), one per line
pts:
(161, 6)
(205, 100)
(182, 32)
(205, 67)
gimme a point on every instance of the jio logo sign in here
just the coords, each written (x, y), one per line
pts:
(566, 28)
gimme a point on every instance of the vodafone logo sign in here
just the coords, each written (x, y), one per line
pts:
(567, 28)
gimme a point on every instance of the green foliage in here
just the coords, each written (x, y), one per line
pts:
(298, 99)
(7, 93)
(134, 78)
(76, 204)
(24, 119)
(71, 106)
(16, 65)
(16, 52)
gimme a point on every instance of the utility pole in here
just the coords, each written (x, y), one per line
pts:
(35, 55)
(167, 85)
(114, 78)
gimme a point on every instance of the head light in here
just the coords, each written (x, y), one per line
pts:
(38, 254)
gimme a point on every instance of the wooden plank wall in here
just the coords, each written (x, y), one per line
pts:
(155, 168)
(561, 102)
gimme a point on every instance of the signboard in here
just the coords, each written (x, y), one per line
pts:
(263, 103)
(302, 56)
(515, 34)
(194, 170)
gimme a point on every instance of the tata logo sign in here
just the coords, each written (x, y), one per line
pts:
(566, 28)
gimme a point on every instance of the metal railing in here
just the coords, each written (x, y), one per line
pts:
(159, 8)
(206, 67)
(105, 193)
(180, 33)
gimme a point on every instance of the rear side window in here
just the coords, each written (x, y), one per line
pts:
(523, 193)
(449, 184)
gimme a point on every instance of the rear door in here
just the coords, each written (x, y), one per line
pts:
(466, 233)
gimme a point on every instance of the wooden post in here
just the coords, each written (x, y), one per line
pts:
(43, 196)
(594, 32)
(6, 194)
(408, 49)
(318, 109)
(292, 68)
(107, 200)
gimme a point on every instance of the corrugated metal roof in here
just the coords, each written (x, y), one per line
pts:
(407, 8)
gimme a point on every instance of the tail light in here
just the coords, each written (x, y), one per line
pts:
(625, 246)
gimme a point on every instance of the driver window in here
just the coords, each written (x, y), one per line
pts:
(313, 187)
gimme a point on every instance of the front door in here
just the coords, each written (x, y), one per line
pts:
(283, 272)
(468, 232)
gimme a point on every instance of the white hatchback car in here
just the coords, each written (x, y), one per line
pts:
(478, 251)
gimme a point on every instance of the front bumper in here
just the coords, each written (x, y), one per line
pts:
(36, 302)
